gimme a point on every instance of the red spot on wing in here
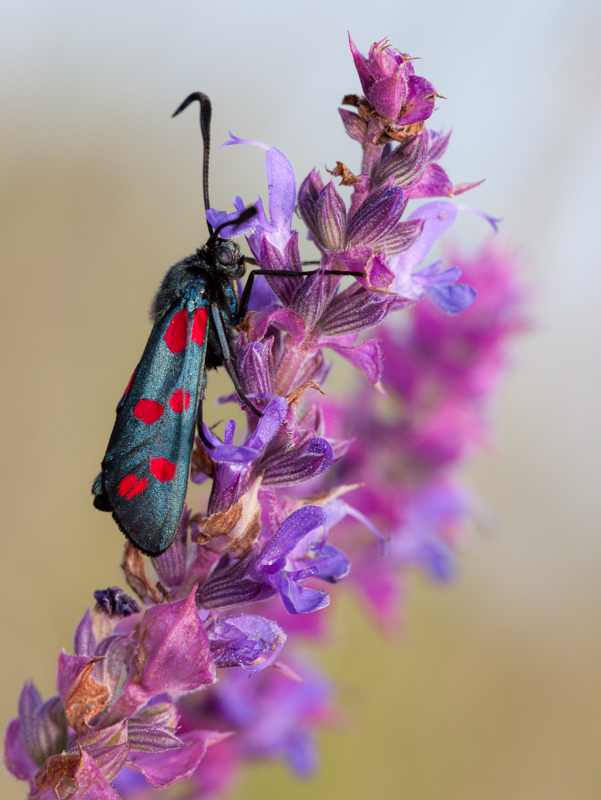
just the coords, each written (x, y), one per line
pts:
(199, 326)
(148, 411)
(162, 469)
(176, 335)
(179, 401)
(131, 485)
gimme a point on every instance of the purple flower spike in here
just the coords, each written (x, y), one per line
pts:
(138, 702)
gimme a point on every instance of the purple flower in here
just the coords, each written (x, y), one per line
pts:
(441, 287)
(272, 570)
(282, 198)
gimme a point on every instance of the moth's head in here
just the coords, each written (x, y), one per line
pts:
(224, 255)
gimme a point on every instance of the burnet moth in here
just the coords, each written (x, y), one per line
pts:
(145, 470)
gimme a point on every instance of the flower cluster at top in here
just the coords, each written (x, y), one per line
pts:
(157, 690)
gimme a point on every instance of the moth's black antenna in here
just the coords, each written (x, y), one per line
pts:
(205, 129)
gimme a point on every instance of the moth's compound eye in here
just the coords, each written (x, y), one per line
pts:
(224, 255)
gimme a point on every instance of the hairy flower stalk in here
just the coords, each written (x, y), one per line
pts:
(187, 683)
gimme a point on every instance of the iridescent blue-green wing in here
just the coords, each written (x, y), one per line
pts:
(145, 470)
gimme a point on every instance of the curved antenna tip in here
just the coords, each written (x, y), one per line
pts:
(200, 96)
(205, 129)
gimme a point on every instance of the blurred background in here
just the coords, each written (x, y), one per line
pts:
(492, 690)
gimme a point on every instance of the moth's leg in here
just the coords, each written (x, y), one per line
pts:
(227, 359)
(283, 273)
(199, 426)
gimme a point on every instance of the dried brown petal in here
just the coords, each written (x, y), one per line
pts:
(403, 132)
(135, 575)
(58, 769)
(350, 100)
(85, 699)
(326, 497)
(294, 397)
(201, 460)
(235, 530)
(342, 171)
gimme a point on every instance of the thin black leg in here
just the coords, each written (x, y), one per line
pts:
(284, 273)
(199, 426)
(225, 352)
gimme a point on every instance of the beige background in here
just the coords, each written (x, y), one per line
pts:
(492, 692)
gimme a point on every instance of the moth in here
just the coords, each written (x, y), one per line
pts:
(145, 470)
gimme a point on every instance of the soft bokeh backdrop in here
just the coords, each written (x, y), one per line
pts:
(492, 691)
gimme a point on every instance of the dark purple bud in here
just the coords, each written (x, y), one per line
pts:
(405, 163)
(115, 602)
(109, 747)
(307, 200)
(379, 213)
(330, 217)
(43, 726)
(171, 565)
(287, 467)
(402, 237)
(254, 366)
(353, 310)
(355, 126)
(312, 297)
(16, 758)
(152, 729)
(84, 641)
